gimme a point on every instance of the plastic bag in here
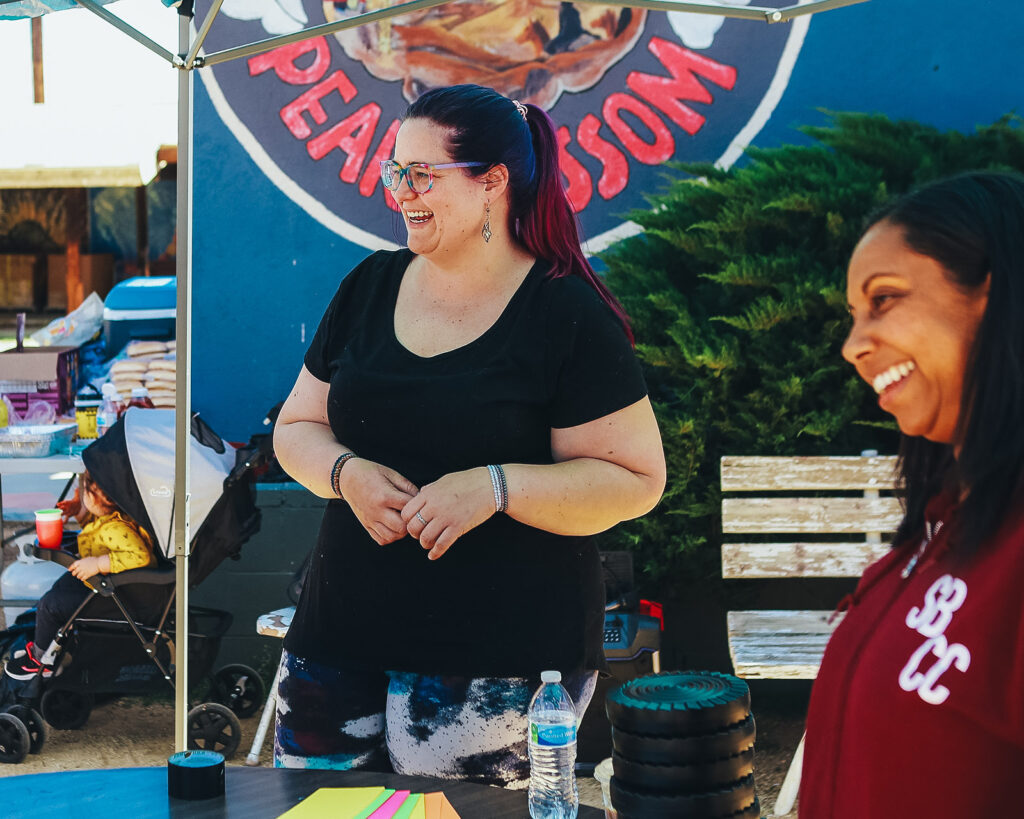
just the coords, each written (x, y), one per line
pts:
(39, 413)
(76, 328)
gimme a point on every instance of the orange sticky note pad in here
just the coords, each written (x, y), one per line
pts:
(437, 806)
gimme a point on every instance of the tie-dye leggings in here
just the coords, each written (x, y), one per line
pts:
(468, 728)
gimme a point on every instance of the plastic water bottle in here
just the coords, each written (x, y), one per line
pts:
(107, 414)
(552, 741)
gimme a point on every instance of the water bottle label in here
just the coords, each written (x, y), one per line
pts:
(552, 736)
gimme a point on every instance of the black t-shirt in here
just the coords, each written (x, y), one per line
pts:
(506, 599)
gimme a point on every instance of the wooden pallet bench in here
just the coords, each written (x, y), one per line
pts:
(760, 497)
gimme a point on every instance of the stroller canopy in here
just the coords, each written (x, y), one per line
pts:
(133, 463)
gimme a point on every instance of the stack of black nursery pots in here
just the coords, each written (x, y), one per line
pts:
(683, 747)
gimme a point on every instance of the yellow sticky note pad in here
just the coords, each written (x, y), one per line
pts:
(338, 803)
(410, 806)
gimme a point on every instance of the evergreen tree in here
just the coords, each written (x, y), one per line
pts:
(736, 290)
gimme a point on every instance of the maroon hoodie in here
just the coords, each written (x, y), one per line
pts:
(918, 709)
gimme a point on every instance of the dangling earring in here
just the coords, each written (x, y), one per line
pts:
(486, 232)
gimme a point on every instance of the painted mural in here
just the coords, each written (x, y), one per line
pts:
(33, 221)
(628, 89)
(292, 175)
(112, 222)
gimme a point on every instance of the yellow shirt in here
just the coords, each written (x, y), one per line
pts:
(123, 539)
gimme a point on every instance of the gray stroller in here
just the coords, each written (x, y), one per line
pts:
(132, 651)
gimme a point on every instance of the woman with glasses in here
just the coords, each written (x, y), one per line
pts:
(472, 408)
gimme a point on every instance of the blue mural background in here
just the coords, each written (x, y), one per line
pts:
(264, 270)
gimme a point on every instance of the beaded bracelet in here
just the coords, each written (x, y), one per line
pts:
(336, 472)
(500, 486)
(496, 485)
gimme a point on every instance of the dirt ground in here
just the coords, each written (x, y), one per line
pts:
(124, 733)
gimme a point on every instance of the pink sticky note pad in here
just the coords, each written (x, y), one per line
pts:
(390, 808)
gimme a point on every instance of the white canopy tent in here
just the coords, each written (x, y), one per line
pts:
(189, 57)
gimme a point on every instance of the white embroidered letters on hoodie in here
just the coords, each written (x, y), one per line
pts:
(943, 598)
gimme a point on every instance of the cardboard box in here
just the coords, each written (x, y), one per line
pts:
(97, 276)
(16, 280)
(48, 367)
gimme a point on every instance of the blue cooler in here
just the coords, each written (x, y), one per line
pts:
(142, 307)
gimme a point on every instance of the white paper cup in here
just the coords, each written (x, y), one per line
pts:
(603, 774)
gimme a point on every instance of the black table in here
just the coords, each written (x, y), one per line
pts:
(250, 793)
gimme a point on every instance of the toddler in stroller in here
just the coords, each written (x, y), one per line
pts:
(119, 637)
(110, 542)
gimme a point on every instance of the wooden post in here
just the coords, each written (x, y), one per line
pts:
(74, 279)
(142, 229)
(871, 537)
(77, 221)
(37, 59)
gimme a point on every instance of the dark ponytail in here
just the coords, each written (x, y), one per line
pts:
(548, 229)
(485, 126)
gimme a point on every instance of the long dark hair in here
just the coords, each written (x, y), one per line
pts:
(484, 126)
(973, 225)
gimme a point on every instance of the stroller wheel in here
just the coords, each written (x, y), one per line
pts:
(214, 727)
(14, 739)
(240, 688)
(66, 710)
(35, 724)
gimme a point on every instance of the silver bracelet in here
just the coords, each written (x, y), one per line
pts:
(496, 486)
(504, 488)
(500, 486)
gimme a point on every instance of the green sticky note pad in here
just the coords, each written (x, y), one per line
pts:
(408, 806)
(385, 795)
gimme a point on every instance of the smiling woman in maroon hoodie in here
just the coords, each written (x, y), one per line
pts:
(918, 709)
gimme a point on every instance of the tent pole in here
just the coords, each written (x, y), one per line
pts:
(204, 29)
(132, 32)
(740, 12)
(262, 46)
(762, 13)
(183, 384)
(810, 7)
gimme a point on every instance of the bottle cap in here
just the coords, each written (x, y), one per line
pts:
(551, 676)
(140, 392)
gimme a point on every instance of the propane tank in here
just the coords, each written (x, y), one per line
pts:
(27, 578)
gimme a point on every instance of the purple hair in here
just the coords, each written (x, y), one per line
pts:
(485, 126)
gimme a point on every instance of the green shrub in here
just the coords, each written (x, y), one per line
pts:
(736, 289)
